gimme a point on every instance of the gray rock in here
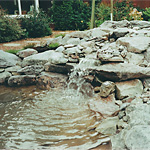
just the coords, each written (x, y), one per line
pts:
(54, 40)
(31, 70)
(97, 32)
(106, 107)
(74, 41)
(115, 24)
(88, 50)
(63, 69)
(37, 59)
(120, 71)
(4, 76)
(8, 59)
(135, 44)
(90, 44)
(140, 24)
(22, 80)
(121, 124)
(120, 32)
(133, 58)
(13, 70)
(70, 51)
(60, 49)
(107, 88)
(26, 52)
(79, 34)
(108, 126)
(69, 46)
(128, 88)
(2, 70)
(147, 55)
(57, 58)
(138, 138)
(121, 114)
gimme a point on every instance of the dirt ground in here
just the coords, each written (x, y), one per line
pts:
(25, 42)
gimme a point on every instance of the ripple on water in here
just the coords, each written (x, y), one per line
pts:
(60, 119)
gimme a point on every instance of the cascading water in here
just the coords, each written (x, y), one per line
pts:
(58, 119)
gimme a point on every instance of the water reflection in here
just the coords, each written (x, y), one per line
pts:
(58, 119)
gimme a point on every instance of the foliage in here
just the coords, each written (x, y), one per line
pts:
(122, 9)
(102, 13)
(146, 14)
(135, 14)
(36, 25)
(70, 15)
(13, 51)
(53, 46)
(10, 30)
(61, 34)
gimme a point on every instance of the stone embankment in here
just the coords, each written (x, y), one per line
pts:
(114, 59)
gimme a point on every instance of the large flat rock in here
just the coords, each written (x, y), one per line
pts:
(8, 59)
(135, 44)
(120, 71)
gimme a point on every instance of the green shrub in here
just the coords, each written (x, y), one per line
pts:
(10, 30)
(70, 15)
(53, 46)
(36, 25)
(122, 10)
(102, 13)
(146, 14)
(13, 51)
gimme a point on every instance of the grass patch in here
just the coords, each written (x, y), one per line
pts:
(53, 46)
(61, 34)
(13, 51)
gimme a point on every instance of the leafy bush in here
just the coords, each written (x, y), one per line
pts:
(122, 9)
(102, 13)
(53, 45)
(146, 14)
(135, 14)
(10, 30)
(36, 25)
(70, 15)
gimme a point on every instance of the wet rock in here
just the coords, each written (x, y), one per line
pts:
(22, 80)
(128, 88)
(135, 44)
(31, 70)
(26, 52)
(4, 76)
(8, 59)
(107, 88)
(120, 71)
(108, 126)
(63, 69)
(106, 107)
(51, 80)
(37, 59)
(138, 137)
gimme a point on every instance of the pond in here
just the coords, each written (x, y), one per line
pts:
(55, 119)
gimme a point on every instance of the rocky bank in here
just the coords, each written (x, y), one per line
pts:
(113, 60)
